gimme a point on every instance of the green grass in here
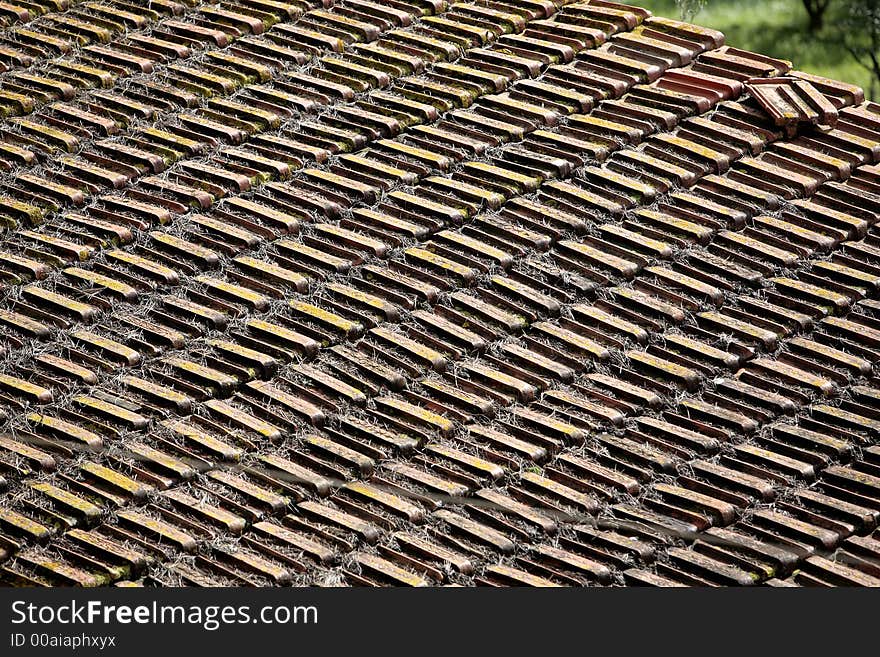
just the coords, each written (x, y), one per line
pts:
(777, 28)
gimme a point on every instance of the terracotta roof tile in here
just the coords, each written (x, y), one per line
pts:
(519, 293)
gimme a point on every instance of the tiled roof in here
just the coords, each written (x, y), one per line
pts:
(498, 292)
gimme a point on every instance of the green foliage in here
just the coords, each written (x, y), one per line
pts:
(690, 8)
(860, 35)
